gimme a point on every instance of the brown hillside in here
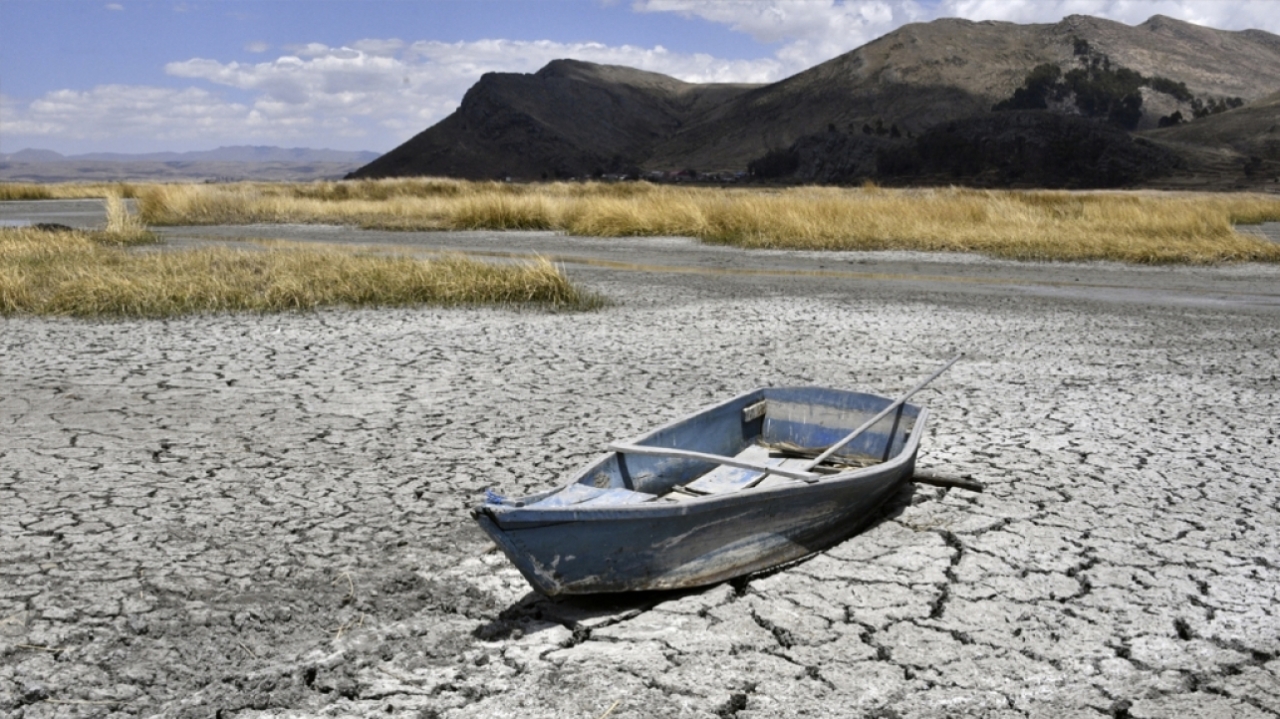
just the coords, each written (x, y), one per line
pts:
(573, 117)
(1237, 145)
(1250, 130)
(570, 118)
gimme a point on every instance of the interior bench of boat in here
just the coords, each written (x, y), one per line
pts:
(762, 440)
(724, 479)
(720, 480)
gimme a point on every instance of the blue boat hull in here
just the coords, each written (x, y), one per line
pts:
(657, 543)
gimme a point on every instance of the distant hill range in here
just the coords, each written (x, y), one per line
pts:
(240, 162)
(1084, 102)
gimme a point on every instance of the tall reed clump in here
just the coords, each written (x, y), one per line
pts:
(123, 227)
(76, 274)
(501, 212)
(24, 191)
(202, 205)
(64, 190)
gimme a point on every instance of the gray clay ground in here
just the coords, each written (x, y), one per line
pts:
(264, 516)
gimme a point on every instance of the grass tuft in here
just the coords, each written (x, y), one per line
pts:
(84, 274)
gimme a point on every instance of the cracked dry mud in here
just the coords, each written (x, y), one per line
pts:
(263, 516)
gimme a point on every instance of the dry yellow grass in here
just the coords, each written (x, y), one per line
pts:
(89, 275)
(1137, 227)
(64, 190)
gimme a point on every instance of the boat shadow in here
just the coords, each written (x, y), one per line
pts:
(536, 612)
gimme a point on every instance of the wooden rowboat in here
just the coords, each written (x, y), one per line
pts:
(765, 478)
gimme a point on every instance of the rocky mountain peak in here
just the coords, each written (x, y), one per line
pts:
(574, 118)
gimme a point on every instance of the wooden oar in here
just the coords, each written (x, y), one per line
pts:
(883, 413)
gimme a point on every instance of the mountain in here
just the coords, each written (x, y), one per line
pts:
(575, 118)
(33, 155)
(569, 118)
(924, 74)
(241, 162)
(235, 153)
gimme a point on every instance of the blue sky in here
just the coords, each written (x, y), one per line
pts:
(151, 75)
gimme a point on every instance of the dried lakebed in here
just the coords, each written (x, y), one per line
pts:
(254, 516)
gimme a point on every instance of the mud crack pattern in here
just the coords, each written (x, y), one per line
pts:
(263, 516)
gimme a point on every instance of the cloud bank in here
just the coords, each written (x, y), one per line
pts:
(373, 93)
(377, 92)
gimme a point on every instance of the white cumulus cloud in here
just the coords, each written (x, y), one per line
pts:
(108, 111)
(807, 31)
(468, 60)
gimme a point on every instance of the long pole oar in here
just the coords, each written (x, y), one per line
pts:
(883, 413)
